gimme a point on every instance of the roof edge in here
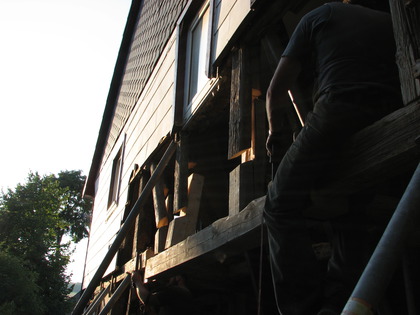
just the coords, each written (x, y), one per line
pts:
(89, 189)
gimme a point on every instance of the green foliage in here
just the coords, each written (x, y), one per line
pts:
(19, 293)
(33, 220)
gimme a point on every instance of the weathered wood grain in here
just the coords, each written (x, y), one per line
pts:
(212, 240)
(406, 32)
(240, 105)
(377, 153)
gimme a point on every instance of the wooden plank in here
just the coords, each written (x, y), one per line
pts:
(214, 237)
(176, 231)
(144, 222)
(181, 173)
(92, 308)
(406, 25)
(160, 238)
(261, 159)
(241, 188)
(161, 217)
(185, 225)
(377, 153)
(240, 105)
(117, 294)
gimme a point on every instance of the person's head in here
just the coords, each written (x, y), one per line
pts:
(382, 5)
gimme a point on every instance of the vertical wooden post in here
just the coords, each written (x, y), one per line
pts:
(141, 184)
(240, 105)
(161, 217)
(260, 152)
(406, 21)
(144, 226)
(247, 130)
(181, 173)
(185, 225)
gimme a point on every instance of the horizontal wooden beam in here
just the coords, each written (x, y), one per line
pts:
(215, 241)
(379, 152)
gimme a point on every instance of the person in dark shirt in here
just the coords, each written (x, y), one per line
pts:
(352, 50)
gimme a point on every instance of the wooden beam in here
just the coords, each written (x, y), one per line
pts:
(241, 188)
(128, 224)
(261, 159)
(181, 173)
(92, 308)
(217, 240)
(160, 238)
(377, 153)
(161, 217)
(144, 226)
(240, 105)
(136, 237)
(407, 39)
(185, 225)
(117, 294)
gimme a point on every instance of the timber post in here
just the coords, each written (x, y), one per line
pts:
(129, 222)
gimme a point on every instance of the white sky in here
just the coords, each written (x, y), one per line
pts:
(57, 58)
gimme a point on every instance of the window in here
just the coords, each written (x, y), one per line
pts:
(197, 56)
(115, 179)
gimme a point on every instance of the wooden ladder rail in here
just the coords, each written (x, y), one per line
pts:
(128, 223)
(117, 294)
(97, 300)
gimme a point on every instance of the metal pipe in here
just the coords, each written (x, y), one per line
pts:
(127, 225)
(117, 294)
(378, 273)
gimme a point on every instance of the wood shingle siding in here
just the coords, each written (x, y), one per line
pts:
(156, 22)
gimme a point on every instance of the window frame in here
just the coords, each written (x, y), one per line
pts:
(116, 176)
(205, 10)
(184, 108)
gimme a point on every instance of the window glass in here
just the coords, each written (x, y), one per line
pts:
(115, 179)
(198, 39)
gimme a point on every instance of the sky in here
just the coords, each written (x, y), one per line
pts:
(57, 58)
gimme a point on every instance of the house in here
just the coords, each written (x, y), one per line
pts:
(180, 171)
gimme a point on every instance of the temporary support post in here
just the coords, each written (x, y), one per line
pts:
(379, 271)
(117, 294)
(128, 223)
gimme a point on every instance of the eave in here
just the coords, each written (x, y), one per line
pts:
(89, 189)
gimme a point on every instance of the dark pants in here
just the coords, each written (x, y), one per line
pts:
(337, 115)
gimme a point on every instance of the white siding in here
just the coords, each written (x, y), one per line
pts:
(228, 15)
(151, 120)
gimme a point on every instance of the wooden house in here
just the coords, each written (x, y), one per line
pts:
(180, 171)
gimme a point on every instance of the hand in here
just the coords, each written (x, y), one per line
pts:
(272, 139)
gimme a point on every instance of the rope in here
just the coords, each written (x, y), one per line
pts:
(261, 267)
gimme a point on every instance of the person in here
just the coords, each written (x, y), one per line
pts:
(172, 298)
(351, 48)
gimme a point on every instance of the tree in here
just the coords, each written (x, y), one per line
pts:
(19, 293)
(33, 220)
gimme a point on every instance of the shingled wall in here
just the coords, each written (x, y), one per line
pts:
(156, 22)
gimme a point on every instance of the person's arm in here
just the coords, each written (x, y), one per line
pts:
(142, 292)
(277, 98)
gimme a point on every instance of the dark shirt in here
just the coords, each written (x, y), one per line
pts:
(348, 44)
